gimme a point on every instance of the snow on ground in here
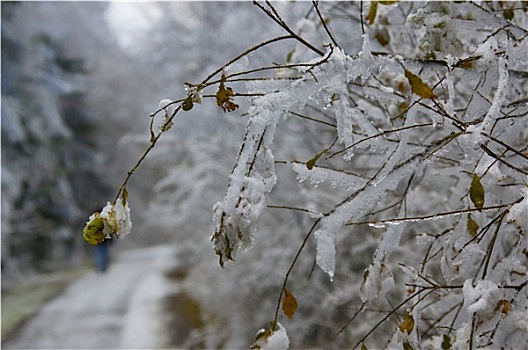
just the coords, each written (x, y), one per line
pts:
(120, 309)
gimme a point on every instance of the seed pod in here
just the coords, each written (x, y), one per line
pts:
(187, 104)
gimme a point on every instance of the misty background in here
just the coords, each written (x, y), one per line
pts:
(79, 82)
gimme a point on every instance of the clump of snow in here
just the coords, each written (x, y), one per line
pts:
(409, 271)
(326, 251)
(169, 108)
(377, 282)
(318, 175)
(486, 55)
(267, 86)
(117, 219)
(237, 66)
(462, 336)
(424, 238)
(435, 342)
(450, 271)
(500, 94)
(235, 218)
(481, 299)
(518, 214)
(517, 53)
(470, 251)
(389, 242)
(513, 328)
(277, 340)
(440, 31)
(164, 103)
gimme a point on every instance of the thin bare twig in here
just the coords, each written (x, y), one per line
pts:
(431, 216)
(312, 119)
(377, 135)
(275, 16)
(310, 232)
(492, 244)
(352, 319)
(248, 51)
(499, 158)
(144, 155)
(412, 296)
(506, 145)
(323, 22)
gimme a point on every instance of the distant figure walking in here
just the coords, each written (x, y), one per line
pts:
(101, 253)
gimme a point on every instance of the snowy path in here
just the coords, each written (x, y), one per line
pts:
(117, 310)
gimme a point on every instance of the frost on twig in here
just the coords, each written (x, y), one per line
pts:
(169, 109)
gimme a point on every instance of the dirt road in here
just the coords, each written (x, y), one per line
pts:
(120, 309)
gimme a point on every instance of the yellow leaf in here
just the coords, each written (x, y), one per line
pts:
(472, 226)
(508, 14)
(382, 35)
(223, 97)
(289, 304)
(289, 56)
(407, 345)
(311, 163)
(476, 192)
(418, 86)
(371, 16)
(504, 306)
(365, 277)
(125, 196)
(446, 343)
(408, 323)
(93, 232)
(467, 63)
(363, 346)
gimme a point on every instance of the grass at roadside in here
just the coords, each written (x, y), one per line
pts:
(23, 301)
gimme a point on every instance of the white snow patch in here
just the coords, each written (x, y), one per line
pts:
(518, 214)
(481, 299)
(278, 340)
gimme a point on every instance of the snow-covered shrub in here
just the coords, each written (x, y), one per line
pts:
(390, 149)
